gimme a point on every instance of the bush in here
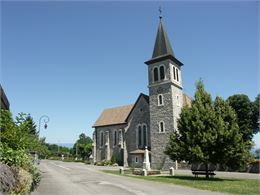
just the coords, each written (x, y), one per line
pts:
(104, 163)
(36, 178)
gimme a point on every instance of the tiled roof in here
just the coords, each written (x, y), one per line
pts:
(114, 116)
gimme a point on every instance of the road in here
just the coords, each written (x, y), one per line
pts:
(63, 178)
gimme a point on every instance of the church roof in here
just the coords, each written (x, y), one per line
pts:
(162, 47)
(113, 116)
(117, 115)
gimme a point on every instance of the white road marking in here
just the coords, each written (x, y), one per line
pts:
(137, 192)
(61, 166)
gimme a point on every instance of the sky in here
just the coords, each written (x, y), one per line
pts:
(70, 60)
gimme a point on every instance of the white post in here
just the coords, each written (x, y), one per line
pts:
(146, 163)
(172, 171)
(121, 170)
(144, 172)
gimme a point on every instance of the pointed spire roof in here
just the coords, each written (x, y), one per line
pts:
(162, 48)
(162, 44)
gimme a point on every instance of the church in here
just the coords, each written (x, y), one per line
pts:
(123, 132)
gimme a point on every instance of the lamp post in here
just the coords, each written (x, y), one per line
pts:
(45, 119)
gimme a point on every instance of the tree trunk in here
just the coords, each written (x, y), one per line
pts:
(207, 170)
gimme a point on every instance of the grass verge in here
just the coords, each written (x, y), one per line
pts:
(227, 185)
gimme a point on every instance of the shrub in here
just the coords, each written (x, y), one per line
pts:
(36, 178)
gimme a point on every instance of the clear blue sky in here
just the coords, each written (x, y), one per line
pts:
(70, 60)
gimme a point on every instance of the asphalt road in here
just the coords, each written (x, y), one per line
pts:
(61, 178)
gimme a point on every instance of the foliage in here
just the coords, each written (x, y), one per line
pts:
(208, 134)
(18, 134)
(18, 158)
(256, 116)
(56, 150)
(31, 125)
(19, 140)
(113, 159)
(247, 114)
(104, 163)
(83, 146)
(36, 178)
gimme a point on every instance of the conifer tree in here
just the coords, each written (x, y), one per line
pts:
(208, 133)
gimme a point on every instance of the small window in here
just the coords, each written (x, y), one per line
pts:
(115, 138)
(155, 74)
(136, 159)
(160, 100)
(177, 74)
(174, 75)
(178, 100)
(161, 127)
(162, 75)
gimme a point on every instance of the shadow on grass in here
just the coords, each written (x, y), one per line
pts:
(191, 178)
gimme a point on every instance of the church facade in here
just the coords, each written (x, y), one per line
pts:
(124, 132)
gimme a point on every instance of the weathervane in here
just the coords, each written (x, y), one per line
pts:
(160, 11)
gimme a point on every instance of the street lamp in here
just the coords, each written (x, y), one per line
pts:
(45, 119)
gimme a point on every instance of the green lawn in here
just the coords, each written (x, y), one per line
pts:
(232, 186)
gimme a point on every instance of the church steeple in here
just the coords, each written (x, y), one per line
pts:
(162, 47)
(162, 44)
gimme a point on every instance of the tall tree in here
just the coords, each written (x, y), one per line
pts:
(207, 133)
(244, 109)
(83, 146)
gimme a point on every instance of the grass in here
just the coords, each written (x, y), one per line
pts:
(227, 185)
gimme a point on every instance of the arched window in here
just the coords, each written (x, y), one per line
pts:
(161, 127)
(101, 139)
(160, 100)
(115, 138)
(155, 74)
(144, 135)
(174, 75)
(162, 75)
(139, 136)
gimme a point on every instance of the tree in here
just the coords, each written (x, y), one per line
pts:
(256, 116)
(83, 146)
(207, 133)
(31, 125)
(246, 120)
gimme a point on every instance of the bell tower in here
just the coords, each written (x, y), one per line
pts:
(165, 96)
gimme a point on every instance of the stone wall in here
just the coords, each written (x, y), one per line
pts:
(139, 115)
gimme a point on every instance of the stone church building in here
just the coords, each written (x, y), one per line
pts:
(125, 131)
